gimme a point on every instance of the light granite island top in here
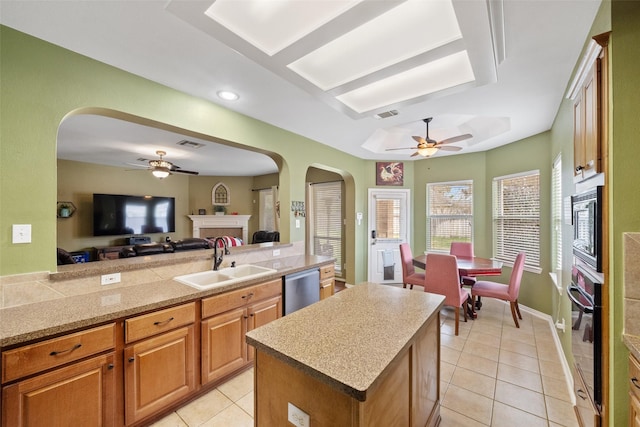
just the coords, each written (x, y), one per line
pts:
(364, 343)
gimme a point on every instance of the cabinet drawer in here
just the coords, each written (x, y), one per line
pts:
(634, 376)
(38, 357)
(327, 271)
(234, 299)
(159, 321)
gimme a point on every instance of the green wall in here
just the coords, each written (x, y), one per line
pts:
(41, 84)
(624, 202)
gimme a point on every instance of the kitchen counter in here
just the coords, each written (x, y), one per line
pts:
(81, 302)
(351, 344)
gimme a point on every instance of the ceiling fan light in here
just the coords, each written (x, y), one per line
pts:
(161, 172)
(427, 151)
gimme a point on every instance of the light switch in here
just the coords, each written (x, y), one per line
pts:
(21, 233)
(297, 223)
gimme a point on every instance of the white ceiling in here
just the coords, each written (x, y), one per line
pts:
(522, 53)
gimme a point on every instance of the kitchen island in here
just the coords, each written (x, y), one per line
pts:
(368, 356)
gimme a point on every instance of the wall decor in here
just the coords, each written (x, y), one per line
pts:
(297, 208)
(389, 173)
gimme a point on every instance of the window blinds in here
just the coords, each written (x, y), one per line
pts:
(449, 214)
(516, 217)
(327, 221)
(556, 214)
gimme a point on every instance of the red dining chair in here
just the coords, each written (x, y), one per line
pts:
(442, 278)
(463, 250)
(409, 275)
(506, 292)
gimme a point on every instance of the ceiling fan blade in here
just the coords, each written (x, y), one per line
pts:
(456, 139)
(415, 154)
(450, 148)
(185, 172)
(404, 148)
(138, 165)
(419, 139)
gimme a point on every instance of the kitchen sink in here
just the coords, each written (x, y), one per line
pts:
(205, 279)
(215, 278)
(247, 271)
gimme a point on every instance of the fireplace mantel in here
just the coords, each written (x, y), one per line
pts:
(221, 221)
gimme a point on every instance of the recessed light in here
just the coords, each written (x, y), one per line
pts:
(227, 95)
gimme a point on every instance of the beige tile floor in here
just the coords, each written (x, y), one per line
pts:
(492, 374)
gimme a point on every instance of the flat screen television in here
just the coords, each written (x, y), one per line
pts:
(117, 214)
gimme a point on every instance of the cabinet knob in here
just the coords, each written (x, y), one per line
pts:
(131, 359)
(634, 381)
(579, 168)
(110, 366)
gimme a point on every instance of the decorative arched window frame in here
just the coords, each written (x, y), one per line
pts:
(220, 195)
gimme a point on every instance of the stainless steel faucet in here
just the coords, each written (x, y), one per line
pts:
(217, 260)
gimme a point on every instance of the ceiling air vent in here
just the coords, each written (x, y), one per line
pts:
(386, 114)
(191, 144)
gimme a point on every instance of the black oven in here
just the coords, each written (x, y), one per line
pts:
(585, 292)
(587, 227)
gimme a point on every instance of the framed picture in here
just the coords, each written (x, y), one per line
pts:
(202, 211)
(389, 173)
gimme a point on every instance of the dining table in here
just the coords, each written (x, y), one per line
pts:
(469, 266)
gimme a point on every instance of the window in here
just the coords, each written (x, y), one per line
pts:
(516, 217)
(556, 215)
(267, 217)
(449, 214)
(326, 220)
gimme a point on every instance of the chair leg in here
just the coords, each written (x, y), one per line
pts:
(465, 307)
(457, 320)
(518, 310)
(404, 285)
(513, 305)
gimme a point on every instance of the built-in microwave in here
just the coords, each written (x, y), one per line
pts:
(587, 227)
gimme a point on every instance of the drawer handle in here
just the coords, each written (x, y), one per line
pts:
(247, 296)
(581, 394)
(634, 380)
(163, 321)
(75, 347)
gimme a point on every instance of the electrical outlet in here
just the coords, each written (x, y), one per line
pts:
(276, 252)
(109, 279)
(296, 416)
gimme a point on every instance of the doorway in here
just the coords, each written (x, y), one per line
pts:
(388, 227)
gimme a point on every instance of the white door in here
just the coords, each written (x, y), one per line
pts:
(388, 227)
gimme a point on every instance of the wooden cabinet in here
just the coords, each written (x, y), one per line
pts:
(634, 392)
(82, 392)
(586, 147)
(327, 281)
(161, 361)
(588, 91)
(227, 318)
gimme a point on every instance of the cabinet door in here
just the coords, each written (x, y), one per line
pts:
(634, 411)
(579, 161)
(158, 372)
(82, 394)
(260, 314)
(223, 347)
(591, 125)
(327, 288)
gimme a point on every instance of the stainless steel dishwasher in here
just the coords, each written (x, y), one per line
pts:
(301, 289)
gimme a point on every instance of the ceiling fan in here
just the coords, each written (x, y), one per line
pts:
(427, 147)
(161, 168)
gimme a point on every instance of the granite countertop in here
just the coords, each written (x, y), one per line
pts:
(27, 322)
(376, 323)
